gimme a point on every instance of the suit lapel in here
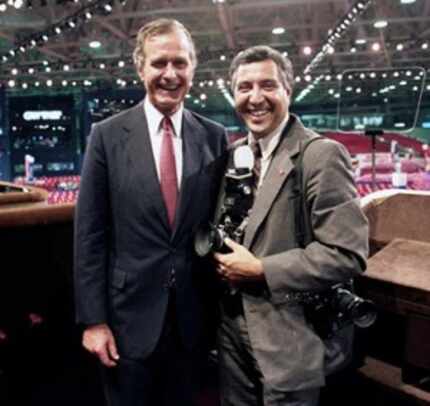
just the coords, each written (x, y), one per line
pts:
(274, 180)
(142, 164)
(192, 158)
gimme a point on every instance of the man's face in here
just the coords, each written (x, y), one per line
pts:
(168, 70)
(260, 97)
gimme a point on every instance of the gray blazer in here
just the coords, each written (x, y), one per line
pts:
(288, 351)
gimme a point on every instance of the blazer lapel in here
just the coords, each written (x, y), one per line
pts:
(142, 164)
(276, 176)
(192, 158)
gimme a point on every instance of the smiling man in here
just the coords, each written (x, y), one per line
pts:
(270, 353)
(141, 294)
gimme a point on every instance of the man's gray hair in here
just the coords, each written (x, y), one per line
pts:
(160, 26)
(262, 53)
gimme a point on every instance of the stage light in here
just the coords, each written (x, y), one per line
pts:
(278, 30)
(380, 24)
(95, 44)
(376, 46)
(307, 50)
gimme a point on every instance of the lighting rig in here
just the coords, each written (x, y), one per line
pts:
(84, 14)
(337, 33)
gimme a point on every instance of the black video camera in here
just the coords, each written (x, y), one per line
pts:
(338, 307)
(235, 202)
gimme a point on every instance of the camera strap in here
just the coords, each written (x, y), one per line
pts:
(304, 233)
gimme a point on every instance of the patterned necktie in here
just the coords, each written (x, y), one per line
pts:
(256, 149)
(168, 177)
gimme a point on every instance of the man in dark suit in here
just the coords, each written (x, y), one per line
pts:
(270, 353)
(149, 177)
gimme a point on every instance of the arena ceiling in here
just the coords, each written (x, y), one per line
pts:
(73, 43)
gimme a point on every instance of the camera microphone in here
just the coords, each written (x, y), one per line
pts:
(243, 158)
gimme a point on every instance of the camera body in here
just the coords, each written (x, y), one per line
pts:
(331, 310)
(234, 205)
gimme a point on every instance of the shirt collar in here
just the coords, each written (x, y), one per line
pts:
(269, 143)
(154, 117)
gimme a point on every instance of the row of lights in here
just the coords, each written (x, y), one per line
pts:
(64, 67)
(17, 4)
(408, 74)
(336, 34)
(37, 39)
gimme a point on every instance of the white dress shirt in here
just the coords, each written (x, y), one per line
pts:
(154, 119)
(268, 145)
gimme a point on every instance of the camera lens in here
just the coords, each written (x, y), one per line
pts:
(360, 311)
(363, 313)
(208, 239)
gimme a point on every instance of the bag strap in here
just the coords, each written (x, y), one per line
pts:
(304, 233)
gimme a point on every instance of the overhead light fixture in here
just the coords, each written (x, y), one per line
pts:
(376, 46)
(307, 50)
(407, 1)
(360, 41)
(278, 30)
(380, 24)
(336, 33)
(95, 44)
(399, 47)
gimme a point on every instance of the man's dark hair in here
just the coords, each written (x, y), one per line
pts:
(262, 53)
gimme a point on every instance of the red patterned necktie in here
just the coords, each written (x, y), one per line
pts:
(256, 149)
(168, 177)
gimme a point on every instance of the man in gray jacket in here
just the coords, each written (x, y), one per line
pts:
(269, 351)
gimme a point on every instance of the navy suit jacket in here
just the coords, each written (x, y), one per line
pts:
(125, 249)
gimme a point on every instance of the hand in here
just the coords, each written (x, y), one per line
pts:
(98, 339)
(239, 265)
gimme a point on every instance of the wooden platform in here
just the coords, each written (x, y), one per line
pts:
(390, 378)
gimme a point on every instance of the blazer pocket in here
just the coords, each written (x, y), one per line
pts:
(119, 278)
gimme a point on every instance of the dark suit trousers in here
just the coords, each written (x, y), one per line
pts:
(167, 377)
(241, 380)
